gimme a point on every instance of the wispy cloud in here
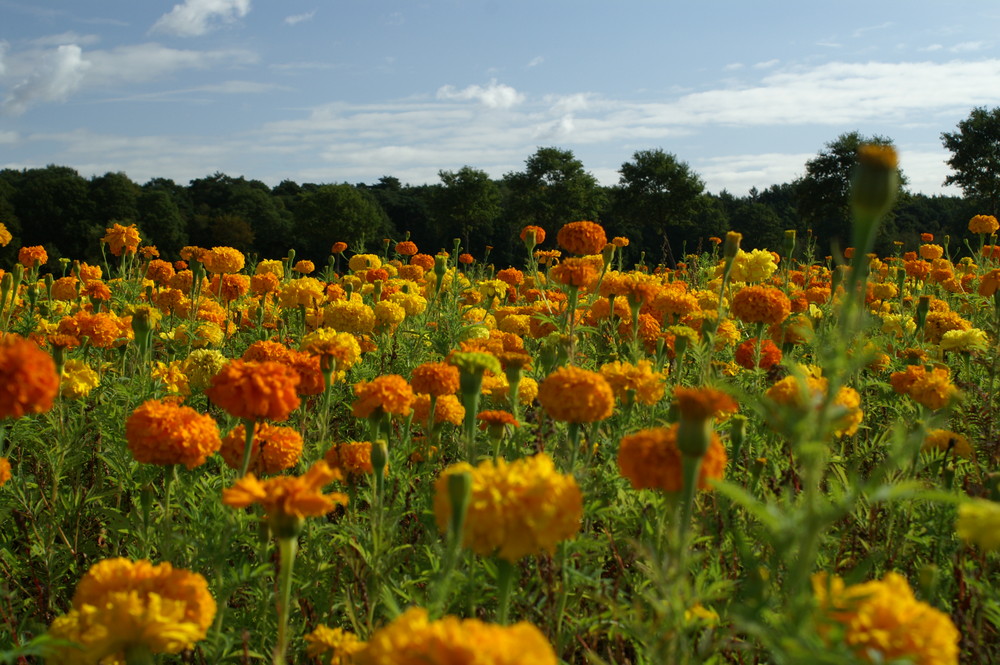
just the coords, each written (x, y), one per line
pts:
(534, 62)
(66, 38)
(860, 32)
(495, 95)
(300, 18)
(197, 17)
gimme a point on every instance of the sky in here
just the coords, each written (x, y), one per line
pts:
(330, 91)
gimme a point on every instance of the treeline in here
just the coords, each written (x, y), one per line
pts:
(659, 204)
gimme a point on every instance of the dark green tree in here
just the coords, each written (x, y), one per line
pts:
(161, 222)
(553, 189)
(975, 158)
(467, 203)
(54, 207)
(338, 212)
(115, 199)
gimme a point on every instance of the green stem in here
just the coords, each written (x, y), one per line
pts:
(505, 581)
(287, 547)
(248, 425)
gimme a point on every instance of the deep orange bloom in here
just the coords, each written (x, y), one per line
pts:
(339, 247)
(29, 257)
(575, 395)
(254, 390)
(406, 248)
(651, 459)
(537, 231)
(390, 393)
(466, 259)
(4, 470)
(582, 238)
(761, 304)
(704, 403)
(28, 379)
(770, 354)
(288, 496)
(353, 458)
(122, 238)
(577, 272)
(435, 378)
(274, 448)
(167, 433)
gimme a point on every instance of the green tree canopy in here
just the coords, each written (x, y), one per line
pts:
(331, 213)
(467, 203)
(975, 158)
(553, 189)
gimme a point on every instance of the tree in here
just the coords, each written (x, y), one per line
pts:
(115, 198)
(659, 198)
(161, 222)
(332, 213)
(469, 202)
(824, 191)
(552, 190)
(975, 158)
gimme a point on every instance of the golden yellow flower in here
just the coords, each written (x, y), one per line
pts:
(984, 224)
(361, 262)
(634, 382)
(304, 291)
(447, 409)
(516, 509)
(351, 316)
(575, 395)
(223, 260)
(334, 646)
(78, 379)
(946, 441)
(979, 523)
(288, 496)
(201, 366)
(341, 349)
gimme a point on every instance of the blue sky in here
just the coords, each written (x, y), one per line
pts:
(351, 90)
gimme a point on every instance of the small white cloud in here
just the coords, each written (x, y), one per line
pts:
(534, 62)
(300, 18)
(968, 47)
(8, 137)
(767, 64)
(57, 77)
(494, 96)
(197, 17)
(932, 47)
(395, 18)
(66, 38)
(733, 66)
(881, 26)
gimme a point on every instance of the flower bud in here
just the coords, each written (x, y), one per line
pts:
(876, 180)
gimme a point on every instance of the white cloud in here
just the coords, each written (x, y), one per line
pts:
(299, 18)
(494, 96)
(66, 38)
(8, 137)
(57, 76)
(534, 62)
(931, 48)
(197, 17)
(733, 66)
(767, 64)
(861, 31)
(969, 47)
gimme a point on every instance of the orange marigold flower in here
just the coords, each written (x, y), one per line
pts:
(338, 247)
(984, 224)
(28, 379)
(770, 354)
(466, 259)
(575, 395)
(121, 238)
(221, 260)
(288, 496)
(352, 459)
(406, 248)
(5, 236)
(761, 304)
(637, 382)
(274, 448)
(531, 234)
(435, 378)
(389, 393)
(425, 261)
(337, 350)
(333, 646)
(65, 288)
(160, 271)
(304, 267)
(582, 238)
(496, 419)
(511, 277)
(120, 605)
(651, 459)
(619, 241)
(447, 409)
(266, 350)
(930, 252)
(165, 433)
(256, 390)
(946, 441)
(577, 272)
(704, 403)
(29, 257)
(516, 509)
(926, 237)
(4, 471)
(310, 372)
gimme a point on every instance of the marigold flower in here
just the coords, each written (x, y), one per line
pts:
(761, 304)
(807, 393)
(338, 348)
(704, 403)
(412, 639)
(966, 341)
(28, 379)
(256, 390)
(496, 420)
(578, 272)
(350, 316)
(167, 433)
(634, 382)
(930, 252)
(78, 379)
(651, 459)
(979, 523)
(288, 496)
(406, 248)
(29, 257)
(352, 458)
(5, 236)
(582, 238)
(4, 471)
(770, 354)
(390, 393)
(275, 448)
(753, 267)
(361, 262)
(122, 238)
(304, 267)
(304, 291)
(447, 409)
(533, 234)
(517, 509)
(984, 224)
(882, 620)
(334, 646)
(338, 247)
(575, 395)
(435, 378)
(119, 605)
(946, 441)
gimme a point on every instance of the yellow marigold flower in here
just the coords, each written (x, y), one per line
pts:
(413, 304)
(969, 340)
(582, 238)
(984, 224)
(979, 523)
(575, 395)
(492, 288)
(389, 393)
(272, 266)
(304, 291)
(201, 365)
(412, 639)
(340, 348)
(5, 236)
(752, 267)
(349, 316)
(28, 379)
(940, 322)
(517, 509)
(651, 459)
(807, 393)
(930, 252)
(252, 390)
(352, 459)
(173, 376)
(304, 267)
(222, 260)
(167, 433)
(932, 389)
(447, 409)
(78, 379)
(120, 605)
(946, 441)
(288, 496)
(274, 448)
(634, 382)
(761, 304)
(882, 620)
(333, 646)
(361, 262)
(389, 314)
(122, 238)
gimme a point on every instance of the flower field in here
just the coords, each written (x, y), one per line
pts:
(424, 459)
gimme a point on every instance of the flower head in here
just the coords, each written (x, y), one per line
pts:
(255, 390)
(761, 304)
(335, 645)
(575, 395)
(274, 448)
(582, 238)
(78, 379)
(984, 224)
(389, 393)
(651, 459)
(28, 379)
(287, 496)
(435, 378)
(167, 433)
(122, 238)
(979, 523)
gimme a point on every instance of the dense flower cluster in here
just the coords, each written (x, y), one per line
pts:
(517, 509)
